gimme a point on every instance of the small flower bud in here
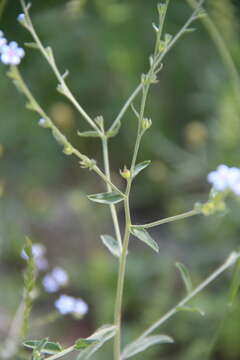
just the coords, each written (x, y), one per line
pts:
(146, 124)
(43, 123)
(125, 173)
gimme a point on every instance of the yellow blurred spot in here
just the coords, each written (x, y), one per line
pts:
(1, 150)
(62, 115)
(196, 133)
(158, 171)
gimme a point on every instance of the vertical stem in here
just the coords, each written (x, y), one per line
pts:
(109, 188)
(121, 277)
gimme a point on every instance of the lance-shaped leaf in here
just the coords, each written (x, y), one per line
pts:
(45, 346)
(92, 134)
(144, 236)
(112, 245)
(139, 167)
(142, 344)
(99, 337)
(190, 309)
(106, 198)
(185, 276)
(114, 131)
(81, 344)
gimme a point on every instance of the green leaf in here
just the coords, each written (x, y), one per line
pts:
(144, 236)
(185, 276)
(139, 167)
(81, 344)
(142, 344)
(31, 45)
(112, 245)
(235, 283)
(190, 309)
(93, 134)
(100, 336)
(45, 346)
(106, 198)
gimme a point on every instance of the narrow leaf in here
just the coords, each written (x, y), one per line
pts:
(141, 345)
(31, 45)
(190, 309)
(47, 347)
(99, 337)
(144, 236)
(185, 276)
(106, 198)
(81, 344)
(139, 167)
(112, 245)
(92, 134)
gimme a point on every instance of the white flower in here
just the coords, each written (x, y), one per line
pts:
(225, 178)
(21, 17)
(60, 276)
(50, 284)
(38, 251)
(80, 307)
(11, 54)
(2, 43)
(69, 305)
(65, 304)
(54, 280)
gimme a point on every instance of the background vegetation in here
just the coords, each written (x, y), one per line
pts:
(196, 126)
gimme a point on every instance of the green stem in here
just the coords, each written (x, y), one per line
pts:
(121, 278)
(109, 188)
(169, 219)
(134, 94)
(231, 260)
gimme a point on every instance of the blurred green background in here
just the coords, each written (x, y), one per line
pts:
(196, 126)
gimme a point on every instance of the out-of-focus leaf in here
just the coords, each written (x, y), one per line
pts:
(100, 336)
(81, 344)
(106, 198)
(92, 134)
(190, 309)
(142, 344)
(235, 284)
(47, 347)
(185, 276)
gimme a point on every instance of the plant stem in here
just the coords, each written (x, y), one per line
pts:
(137, 90)
(61, 353)
(169, 219)
(51, 61)
(231, 260)
(109, 188)
(121, 278)
(41, 112)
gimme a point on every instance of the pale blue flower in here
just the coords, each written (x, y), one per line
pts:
(50, 284)
(11, 54)
(225, 178)
(60, 276)
(69, 305)
(38, 251)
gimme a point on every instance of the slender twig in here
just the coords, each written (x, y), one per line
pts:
(47, 53)
(169, 219)
(231, 260)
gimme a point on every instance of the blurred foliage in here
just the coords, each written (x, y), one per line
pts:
(196, 126)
